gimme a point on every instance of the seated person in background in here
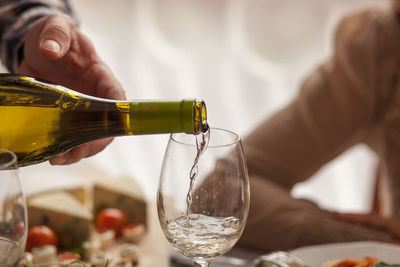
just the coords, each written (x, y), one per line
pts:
(353, 98)
(39, 38)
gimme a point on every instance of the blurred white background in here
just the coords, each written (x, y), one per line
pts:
(245, 58)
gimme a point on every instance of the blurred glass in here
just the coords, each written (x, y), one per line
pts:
(13, 219)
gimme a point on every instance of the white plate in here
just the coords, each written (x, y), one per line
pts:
(315, 256)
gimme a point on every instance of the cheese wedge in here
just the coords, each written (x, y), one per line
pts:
(64, 214)
(122, 193)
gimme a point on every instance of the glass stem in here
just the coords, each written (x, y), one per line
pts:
(201, 264)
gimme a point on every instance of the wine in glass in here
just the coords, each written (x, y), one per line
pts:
(203, 193)
(13, 222)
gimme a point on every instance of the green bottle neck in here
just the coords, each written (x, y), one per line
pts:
(156, 117)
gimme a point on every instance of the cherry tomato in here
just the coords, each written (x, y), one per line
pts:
(110, 219)
(40, 236)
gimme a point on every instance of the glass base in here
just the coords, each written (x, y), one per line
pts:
(201, 262)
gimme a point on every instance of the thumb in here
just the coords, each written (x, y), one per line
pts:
(55, 38)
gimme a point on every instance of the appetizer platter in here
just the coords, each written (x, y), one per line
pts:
(104, 223)
(365, 262)
(351, 254)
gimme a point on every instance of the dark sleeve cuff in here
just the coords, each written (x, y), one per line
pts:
(16, 17)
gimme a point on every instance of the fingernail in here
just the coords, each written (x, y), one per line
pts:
(51, 46)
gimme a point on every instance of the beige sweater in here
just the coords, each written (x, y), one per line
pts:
(353, 98)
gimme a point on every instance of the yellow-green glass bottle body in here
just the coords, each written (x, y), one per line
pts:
(40, 120)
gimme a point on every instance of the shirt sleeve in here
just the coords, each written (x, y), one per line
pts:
(16, 16)
(335, 109)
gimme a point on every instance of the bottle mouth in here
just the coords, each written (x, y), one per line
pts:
(200, 117)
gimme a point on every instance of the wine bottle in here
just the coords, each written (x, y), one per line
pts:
(39, 120)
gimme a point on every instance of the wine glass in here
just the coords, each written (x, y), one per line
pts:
(13, 222)
(203, 194)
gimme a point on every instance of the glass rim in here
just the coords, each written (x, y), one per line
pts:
(235, 141)
(11, 162)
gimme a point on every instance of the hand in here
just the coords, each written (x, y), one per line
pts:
(391, 225)
(55, 50)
